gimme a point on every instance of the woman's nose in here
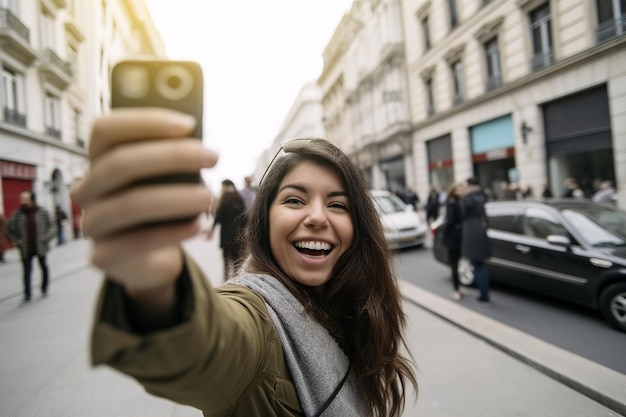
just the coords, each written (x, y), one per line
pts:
(316, 216)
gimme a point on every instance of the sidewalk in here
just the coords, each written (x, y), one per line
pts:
(469, 365)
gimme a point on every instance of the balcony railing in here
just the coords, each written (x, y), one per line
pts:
(612, 28)
(9, 21)
(493, 82)
(53, 131)
(12, 116)
(542, 60)
(50, 56)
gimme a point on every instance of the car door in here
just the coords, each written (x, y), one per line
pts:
(554, 269)
(506, 263)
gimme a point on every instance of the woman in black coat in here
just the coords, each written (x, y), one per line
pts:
(452, 233)
(231, 216)
(476, 245)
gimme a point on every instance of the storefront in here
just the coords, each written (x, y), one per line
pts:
(16, 178)
(578, 140)
(440, 162)
(493, 153)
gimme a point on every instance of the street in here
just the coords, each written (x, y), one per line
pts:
(45, 371)
(574, 328)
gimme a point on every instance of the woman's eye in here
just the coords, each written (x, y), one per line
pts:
(292, 200)
(341, 206)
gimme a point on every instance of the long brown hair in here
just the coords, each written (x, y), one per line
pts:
(361, 304)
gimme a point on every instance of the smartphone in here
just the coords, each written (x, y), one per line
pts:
(176, 85)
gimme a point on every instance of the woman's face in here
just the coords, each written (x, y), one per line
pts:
(310, 223)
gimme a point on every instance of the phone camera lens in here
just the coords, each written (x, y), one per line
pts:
(174, 82)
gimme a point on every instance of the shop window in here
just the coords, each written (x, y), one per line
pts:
(540, 29)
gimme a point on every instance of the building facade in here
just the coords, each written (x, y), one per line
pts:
(520, 91)
(55, 58)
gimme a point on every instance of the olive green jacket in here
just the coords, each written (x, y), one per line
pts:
(224, 359)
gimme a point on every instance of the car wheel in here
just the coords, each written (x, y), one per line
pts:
(613, 305)
(466, 271)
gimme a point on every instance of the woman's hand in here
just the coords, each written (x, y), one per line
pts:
(128, 145)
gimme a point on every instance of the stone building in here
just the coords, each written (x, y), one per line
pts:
(517, 91)
(55, 59)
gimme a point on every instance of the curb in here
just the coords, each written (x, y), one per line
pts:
(601, 384)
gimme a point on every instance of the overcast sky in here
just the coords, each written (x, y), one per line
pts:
(256, 55)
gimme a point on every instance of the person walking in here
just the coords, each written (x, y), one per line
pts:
(475, 244)
(31, 228)
(452, 234)
(231, 216)
(605, 193)
(3, 242)
(432, 205)
(60, 217)
(248, 192)
(313, 323)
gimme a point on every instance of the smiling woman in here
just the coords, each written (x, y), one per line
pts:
(313, 321)
(261, 65)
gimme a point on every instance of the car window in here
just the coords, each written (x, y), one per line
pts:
(505, 218)
(541, 223)
(388, 204)
(599, 225)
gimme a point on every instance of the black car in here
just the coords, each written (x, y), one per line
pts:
(574, 250)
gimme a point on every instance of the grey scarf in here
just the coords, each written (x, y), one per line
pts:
(316, 362)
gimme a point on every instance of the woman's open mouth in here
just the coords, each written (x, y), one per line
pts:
(313, 248)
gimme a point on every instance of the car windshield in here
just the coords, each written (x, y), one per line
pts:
(387, 205)
(601, 226)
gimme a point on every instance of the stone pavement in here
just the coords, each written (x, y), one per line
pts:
(469, 365)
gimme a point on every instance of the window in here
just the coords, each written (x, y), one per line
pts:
(492, 58)
(11, 83)
(611, 19)
(51, 114)
(541, 224)
(430, 96)
(9, 5)
(47, 30)
(426, 32)
(457, 81)
(504, 218)
(454, 15)
(540, 29)
(77, 126)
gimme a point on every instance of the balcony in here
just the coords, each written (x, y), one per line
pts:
(15, 38)
(542, 59)
(13, 117)
(54, 70)
(493, 82)
(611, 29)
(53, 131)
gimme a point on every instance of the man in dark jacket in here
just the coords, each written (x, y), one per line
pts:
(31, 228)
(476, 245)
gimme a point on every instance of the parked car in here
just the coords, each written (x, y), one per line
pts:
(402, 224)
(568, 249)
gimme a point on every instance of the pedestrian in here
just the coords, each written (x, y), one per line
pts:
(248, 192)
(432, 205)
(314, 319)
(605, 193)
(411, 198)
(3, 242)
(475, 244)
(60, 218)
(31, 228)
(231, 216)
(547, 191)
(452, 234)
(572, 190)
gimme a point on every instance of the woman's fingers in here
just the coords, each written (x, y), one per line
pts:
(145, 258)
(138, 206)
(127, 164)
(135, 124)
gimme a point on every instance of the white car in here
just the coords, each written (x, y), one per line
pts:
(401, 223)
